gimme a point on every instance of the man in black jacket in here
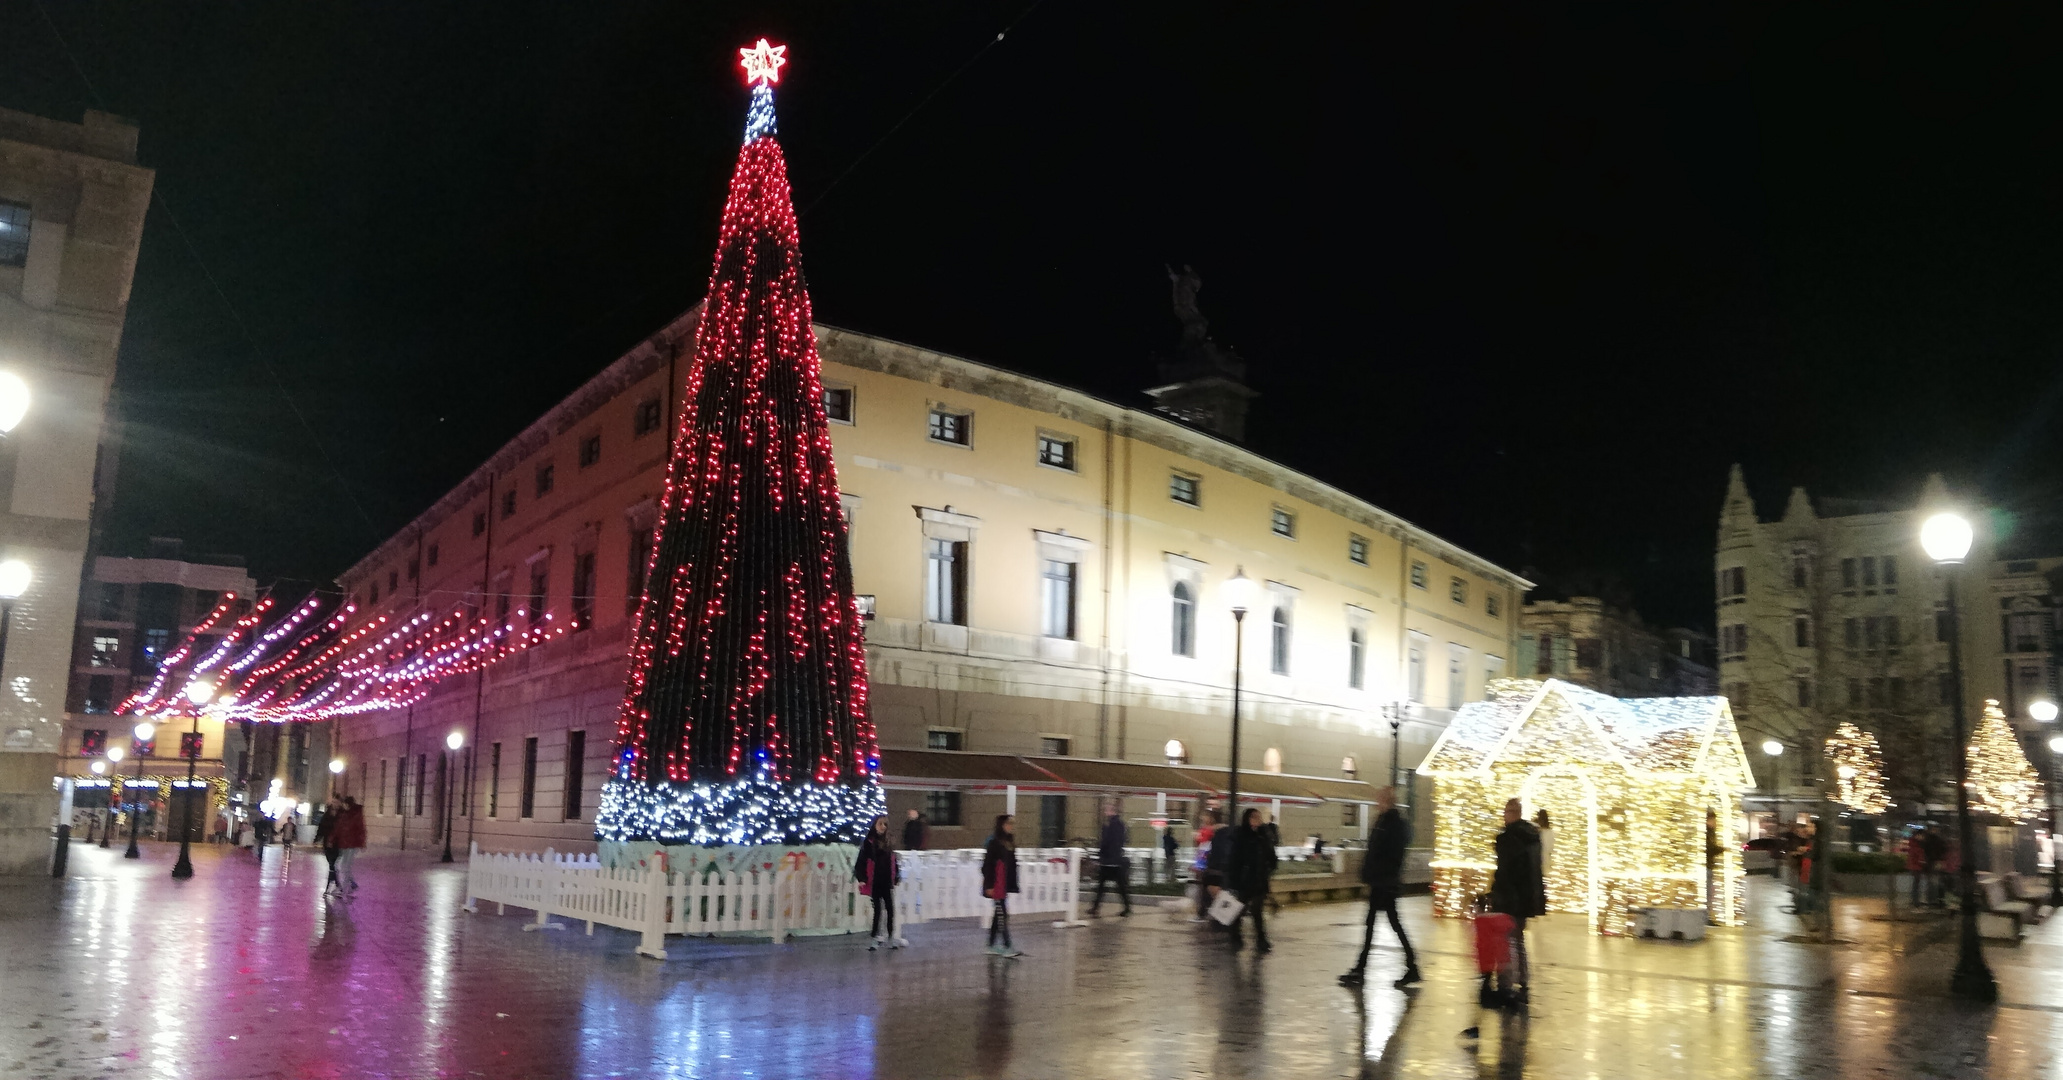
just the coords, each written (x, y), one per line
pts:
(1111, 863)
(1383, 872)
(915, 831)
(1247, 871)
(1518, 890)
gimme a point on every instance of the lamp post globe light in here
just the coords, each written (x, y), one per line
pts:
(1947, 538)
(451, 744)
(1242, 593)
(2043, 712)
(14, 401)
(114, 784)
(200, 692)
(144, 731)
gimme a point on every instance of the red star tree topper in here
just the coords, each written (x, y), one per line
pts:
(745, 720)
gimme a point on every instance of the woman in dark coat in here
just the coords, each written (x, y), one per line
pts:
(878, 874)
(999, 880)
(1248, 868)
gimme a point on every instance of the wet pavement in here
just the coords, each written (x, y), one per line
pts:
(245, 972)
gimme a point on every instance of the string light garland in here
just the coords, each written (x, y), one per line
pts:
(1626, 783)
(744, 718)
(1858, 766)
(2001, 781)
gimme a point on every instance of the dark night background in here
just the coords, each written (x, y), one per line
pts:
(1531, 278)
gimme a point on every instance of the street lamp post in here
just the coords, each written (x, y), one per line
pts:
(1241, 593)
(200, 693)
(144, 731)
(1775, 752)
(2055, 864)
(1394, 711)
(451, 744)
(114, 784)
(1946, 538)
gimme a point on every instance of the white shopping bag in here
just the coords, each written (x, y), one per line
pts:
(1226, 908)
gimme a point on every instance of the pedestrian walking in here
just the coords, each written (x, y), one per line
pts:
(350, 841)
(1112, 864)
(1169, 846)
(878, 875)
(1546, 826)
(1516, 889)
(1213, 842)
(1934, 858)
(916, 831)
(288, 825)
(1383, 872)
(999, 880)
(326, 836)
(1250, 864)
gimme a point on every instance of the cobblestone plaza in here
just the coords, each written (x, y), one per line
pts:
(245, 972)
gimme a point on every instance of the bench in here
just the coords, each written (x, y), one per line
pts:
(1998, 917)
(2031, 891)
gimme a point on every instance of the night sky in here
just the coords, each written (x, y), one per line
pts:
(1531, 278)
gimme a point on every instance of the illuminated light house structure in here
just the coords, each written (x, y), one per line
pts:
(744, 721)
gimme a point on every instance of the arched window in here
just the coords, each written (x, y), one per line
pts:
(1184, 629)
(1349, 768)
(1271, 761)
(1177, 754)
(1278, 652)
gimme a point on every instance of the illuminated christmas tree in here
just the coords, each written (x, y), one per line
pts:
(1858, 770)
(2001, 780)
(744, 720)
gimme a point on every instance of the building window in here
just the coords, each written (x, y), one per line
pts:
(1357, 656)
(838, 404)
(479, 522)
(529, 776)
(590, 450)
(16, 221)
(1282, 523)
(1183, 636)
(1889, 565)
(1848, 573)
(1733, 582)
(155, 642)
(1543, 662)
(942, 807)
(1350, 815)
(1801, 631)
(576, 766)
(1491, 604)
(583, 590)
(109, 601)
(503, 590)
(1056, 452)
(394, 581)
(1052, 746)
(1457, 590)
(422, 781)
(100, 693)
(648, 414)
(1733, 640)
(634, 576)
(1357, 549)
(1869, 571)
(1801, 571)
(383, 787)
(544, 480)
(1185, 489)
(951, 427)
(508, 504)
(2022, 632)
(1058, 583)
(1804, 693)
(1176, 752)
(943, 739)
(494, 780)
(540, 581)
(105, 646)
(1278, 640)
(945, 581)
(1414, 679)
(1855, 698)
(1418, 575)
(1590, 653)
(431, 555)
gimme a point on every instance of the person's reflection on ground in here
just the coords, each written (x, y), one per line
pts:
(992, 1042)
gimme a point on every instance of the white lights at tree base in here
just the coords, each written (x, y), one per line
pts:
(746, 811)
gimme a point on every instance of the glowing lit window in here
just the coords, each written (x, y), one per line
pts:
(15, 222)
(104, 648)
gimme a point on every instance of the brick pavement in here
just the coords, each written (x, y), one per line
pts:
(245, 972)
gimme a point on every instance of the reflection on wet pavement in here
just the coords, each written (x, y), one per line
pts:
(246, 972)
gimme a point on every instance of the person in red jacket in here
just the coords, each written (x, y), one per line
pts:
(350, 838)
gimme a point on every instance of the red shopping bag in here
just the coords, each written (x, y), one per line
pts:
(1493, 940)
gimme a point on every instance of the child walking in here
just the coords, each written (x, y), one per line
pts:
(877, 874)
(999, 880)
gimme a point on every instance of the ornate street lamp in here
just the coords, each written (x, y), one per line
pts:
(200, 692)
(144, 731)
(1775, 751)
(1946, 538)
(1241, 594)
(451, 744)
(2055, 867)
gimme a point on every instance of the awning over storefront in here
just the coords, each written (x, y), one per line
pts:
(961, 770)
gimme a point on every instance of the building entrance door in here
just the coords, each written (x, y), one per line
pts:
(1052, 820)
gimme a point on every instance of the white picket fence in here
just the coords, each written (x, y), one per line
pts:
(655, 902)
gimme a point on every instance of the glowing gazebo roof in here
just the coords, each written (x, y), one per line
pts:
(1681, 735)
